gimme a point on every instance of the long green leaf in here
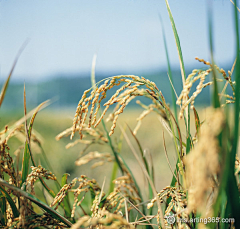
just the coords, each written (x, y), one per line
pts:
(66, 202)
(113, 177)
(228, 195)
(26, 155)
(169, 70)
(187, 122)
(232, 187)
(115, 165)
(5, 86)
(197, 121)
(216, 102)
(140, 149)
(177, 42)
(10, 201)
(134, 180)
(38, 202)
(237, 90)
(144, 161)
(147, 169)
(27, 149)
(3, 213)
(146, 175)
(115, 154)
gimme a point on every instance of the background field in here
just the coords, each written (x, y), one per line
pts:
(49, 123)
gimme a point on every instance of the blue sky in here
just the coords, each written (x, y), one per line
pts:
(125, 34)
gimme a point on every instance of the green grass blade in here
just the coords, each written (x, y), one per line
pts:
(67, 207)
(10, 201)
(151, 174)
(177, 42)
(169, 70)
(173, 181)
(38, 202)
(197, 121)
(115, 165)
(115, 154)
(48, 164)
(216, 102)
(237, 90)
(233, 193)
(27, 150)
(170, 114)
(187, 122)
(223, 208)
(145, 163)
(134, 180)
(5, 86)
(141, 150)
(50, 191)
(26, 155)
(189, 137)
(3, 215)
(228, 187)
(58, 186)
(113, 177)
(160, 213)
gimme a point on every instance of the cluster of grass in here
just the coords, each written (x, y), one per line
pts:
(203, 191)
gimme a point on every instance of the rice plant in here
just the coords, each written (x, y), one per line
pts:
(203, 192)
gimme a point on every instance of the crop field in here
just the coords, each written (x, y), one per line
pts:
(108, 164)
(49, 124)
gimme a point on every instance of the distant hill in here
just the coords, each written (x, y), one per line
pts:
(67, 90)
